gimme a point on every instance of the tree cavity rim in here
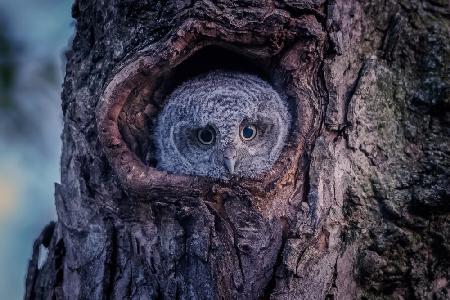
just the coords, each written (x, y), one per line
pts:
(280, 49)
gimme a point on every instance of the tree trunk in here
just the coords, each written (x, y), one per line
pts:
(356, 207)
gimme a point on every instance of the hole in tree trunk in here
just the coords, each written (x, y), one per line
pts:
(204, 60)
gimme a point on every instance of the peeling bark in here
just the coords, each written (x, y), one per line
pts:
(356, 207)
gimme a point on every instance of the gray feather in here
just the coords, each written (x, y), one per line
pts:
(224, 101)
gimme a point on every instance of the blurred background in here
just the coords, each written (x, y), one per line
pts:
(33, 37)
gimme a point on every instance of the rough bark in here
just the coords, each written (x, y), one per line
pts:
(357, 206)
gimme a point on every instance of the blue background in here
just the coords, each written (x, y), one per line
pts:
(33, 37)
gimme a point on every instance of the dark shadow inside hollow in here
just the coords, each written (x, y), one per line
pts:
(214, 58)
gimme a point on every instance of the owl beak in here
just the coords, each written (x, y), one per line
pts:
(229, 163)
(230, 159)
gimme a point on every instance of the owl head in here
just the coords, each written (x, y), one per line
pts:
(221, 125)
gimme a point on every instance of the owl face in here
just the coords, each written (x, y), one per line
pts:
(221, 125)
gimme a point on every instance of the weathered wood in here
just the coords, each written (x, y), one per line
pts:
(357, 206)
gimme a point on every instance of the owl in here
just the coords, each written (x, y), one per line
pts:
(221, 124)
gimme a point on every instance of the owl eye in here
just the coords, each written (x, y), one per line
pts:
(206, 135)
(248, 132)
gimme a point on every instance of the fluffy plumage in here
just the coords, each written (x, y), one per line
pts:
(229, 105)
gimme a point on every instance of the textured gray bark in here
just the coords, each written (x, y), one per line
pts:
(358, 207)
